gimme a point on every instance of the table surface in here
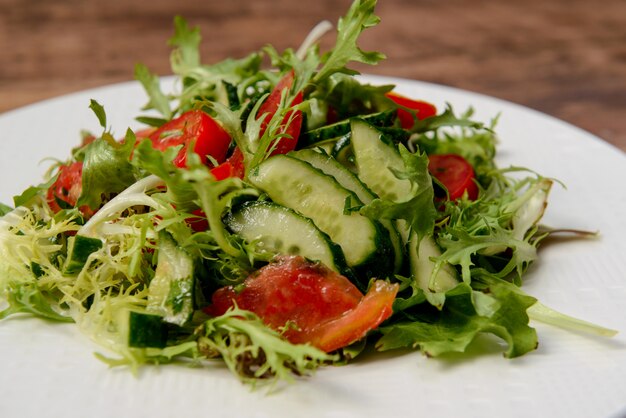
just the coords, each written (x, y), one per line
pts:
(566, 58)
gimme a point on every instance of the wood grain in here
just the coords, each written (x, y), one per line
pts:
(566, 58)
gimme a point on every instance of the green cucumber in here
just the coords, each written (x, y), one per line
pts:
(279, 230)
(79, 250)
(306, 139)
(422, 266)
(146, 330)
(343, 152)
(376, 157)
(171, 290)
(330, 166)
(298, 185)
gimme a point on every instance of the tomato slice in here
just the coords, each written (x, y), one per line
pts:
(311, 302)
(197, 127)
(372, 310)
(232, 167)
(455, 173)
(421, 108)
(66, 190)
(292, 122)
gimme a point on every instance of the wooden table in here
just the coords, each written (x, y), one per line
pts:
(566, 58)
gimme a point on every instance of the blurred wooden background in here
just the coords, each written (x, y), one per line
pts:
(566, 58)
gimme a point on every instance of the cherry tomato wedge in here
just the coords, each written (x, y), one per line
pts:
(325, 308)
(455, 173)
(66, 190)
(232, 167)
(292, 122)
(197, 127)
(421, 108)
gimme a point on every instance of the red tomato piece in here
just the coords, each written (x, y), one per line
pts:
(372, 310)
(67, 188)
(421, 108)
(455, 173)
(325, 308)
(197, 127)
(292, 122)
(232, 167)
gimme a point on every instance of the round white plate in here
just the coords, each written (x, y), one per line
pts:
(50, 370)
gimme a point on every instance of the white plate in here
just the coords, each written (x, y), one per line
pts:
(50, 369)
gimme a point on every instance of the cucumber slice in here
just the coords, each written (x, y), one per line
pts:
(79, 249)
(279, 230)
(422, 266)
(306, 139)
(171, 290)
(146, 330)
(343, 152)
(298, 185)
(330, 166)
(375, 157)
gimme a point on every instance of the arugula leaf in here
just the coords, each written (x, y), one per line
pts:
(460, 247)
(359, 17)
(447, 118)
(349, 97)
(186, 55)
(465, 314)
(150, 82)
(98, 109)
(419, 210)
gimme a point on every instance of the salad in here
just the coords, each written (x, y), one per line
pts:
(278, 214)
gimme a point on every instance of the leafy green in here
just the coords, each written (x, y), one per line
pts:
(446, 119)
(106, 168)
(55, 267)
(4, 209)
(32, 193)
(98, 110)
(251, 350)
(418, 210)
(359, 17)
(186, 41)
(465, 314)
(26, 297)
(150, 83)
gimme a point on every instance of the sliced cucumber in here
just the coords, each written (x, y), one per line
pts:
(146, 330)
(79, 249)
(375, 157)
(422, 266)
(330, 166)
(385, 118)
(298, 185)
(279, 230)
(343, 152)
(171, 290)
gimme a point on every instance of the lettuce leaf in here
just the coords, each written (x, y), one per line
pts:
(106, 168)
(418, 210)
(465, 314)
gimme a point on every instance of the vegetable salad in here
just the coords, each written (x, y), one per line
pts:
(278, 214)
